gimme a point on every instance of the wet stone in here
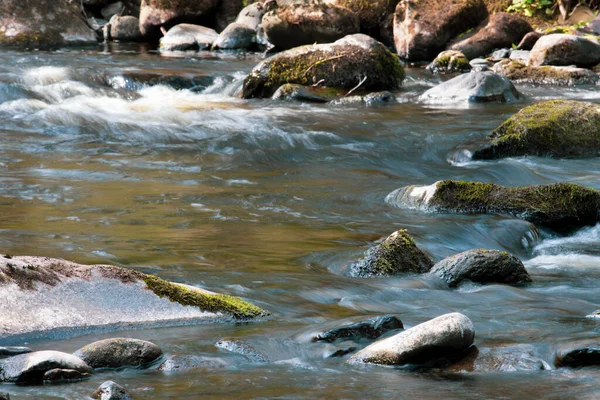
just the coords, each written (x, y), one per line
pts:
(31, 367)
(240, 347)
(369, 329)
(342, 352)
(183, 363)
(7, 351)
(110, 390)
(119, 353)
(577, 354)
(65, 375)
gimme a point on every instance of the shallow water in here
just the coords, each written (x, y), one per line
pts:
(271, 201)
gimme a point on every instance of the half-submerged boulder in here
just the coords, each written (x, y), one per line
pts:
(559, 206)
(521, 357)
(110, 390)
(157, 14)
(449, 61)
(481, 266)
(474, 87)
(397, 254)
(300, 24)
(309, 94)
(519, 72)
(33, 292)
(436, 342)
(185, 37)
(559, 49)
(119, 353)
(576, 354)
(239, 346)
(343, 64)
(235, 36)
(31, 367)
(423, 28)
(369, 329)
(555, 128)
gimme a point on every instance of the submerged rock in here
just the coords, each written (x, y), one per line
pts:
(474, 87)
(65, 375)
(235, 36)
(109, 390)
(7, 351)
(395, 255)
(559, 206)
(343, 65)
(555, 128)
(31, 367)
(448, 62)
(576, 354)
(184, 37)
(185, 363)
(369, 329)
(309, 94)
(119, 353)
(559, 49)
(238, 346)
(481, 266)
(435, 342)
(499, 359)
(369, 100)
(423, 28)
(519, 72)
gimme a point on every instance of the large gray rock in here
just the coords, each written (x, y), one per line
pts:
(519, 72)
(301, 24)
(435, 342)
(423, 28)
(43, 23)
(474, 87)
(369, 329)
(155, 14)
(31, 367)
(580, 353)
(119, 353)
(397, 254)
(343, 64)
(559, 49)
(499, 31)
(481, 266)
(125, 29)
(235, 36)
(109, 390)
(184, 37)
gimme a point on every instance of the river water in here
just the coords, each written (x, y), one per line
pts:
(270, 201)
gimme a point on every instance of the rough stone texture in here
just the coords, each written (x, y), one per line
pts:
(529, 41)
(521, 357)
(302, 24)
(370, 13)
(481, 266)
(7, 351)
(555, 128)
(435, 342)
(184, 363)
(109, 390)
(31, 367)
(155, 14)
(43, 23)
(309, 94)
(236, 36)
(65, 375)
(559, 49)
(342, 64)
(474, 87)
(119, 353)
(397, 254)
(577, 354)
(238, 346)
(369, 329)
(449, 61)
(188, 37)
(251, 15)
(559, 206)
(423, 28)
(369, 100)
(501, 30)
(125, 29)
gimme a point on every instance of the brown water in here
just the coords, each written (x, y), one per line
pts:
(271, 201)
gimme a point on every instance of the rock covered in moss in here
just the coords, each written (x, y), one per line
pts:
(306, 23)
(579, 353)
(500, 30)
(184, 37)
(343, 65)
(474, 87)
(449, 61)
(559, 206)
(110, 390)
(155, 14)
(555, 128)
(435, 342)
(369, 329)
(481, 266)
(519, 72)
(31, 367)
(119, 353)
(235, 36)
(369, 100)
(397, 254)
(423, 28)
(560, 49)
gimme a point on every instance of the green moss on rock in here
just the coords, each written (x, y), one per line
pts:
(556, 128)
(518, 72)
(449, 61)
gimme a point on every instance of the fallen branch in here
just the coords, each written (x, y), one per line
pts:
(357, 86)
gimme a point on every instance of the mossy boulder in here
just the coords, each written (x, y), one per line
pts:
(519, 72)
(306, 23)
(481, 266)
(449, 61)
(560, 49)
(343, 65)
(473, 87)
(397, 254)
(157, 14)
(555, 128)
(499, 31)
(559, 206)
(423, 28)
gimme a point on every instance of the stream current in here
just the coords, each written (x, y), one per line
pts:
(270, 201)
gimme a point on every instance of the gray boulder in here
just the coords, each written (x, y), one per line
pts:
(435, 342)
(474, 87)
(369, 329)
(397, 254)
(580, 353)
(184, 37)
(125, 29)
(119, 353)
(559, 49)
(449, 61)
(235, 36)
(65, 375)
(157, 14)
(31, 367)
(481, 266)
(251, 15)
(109, 390)
(238, 346)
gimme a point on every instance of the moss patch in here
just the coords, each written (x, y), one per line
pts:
(518, 72)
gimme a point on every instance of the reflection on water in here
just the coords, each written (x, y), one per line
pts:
(271, 201)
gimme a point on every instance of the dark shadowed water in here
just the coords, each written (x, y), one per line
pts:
(270, 201)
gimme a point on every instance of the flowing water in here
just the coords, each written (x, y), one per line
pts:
(104, 161)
